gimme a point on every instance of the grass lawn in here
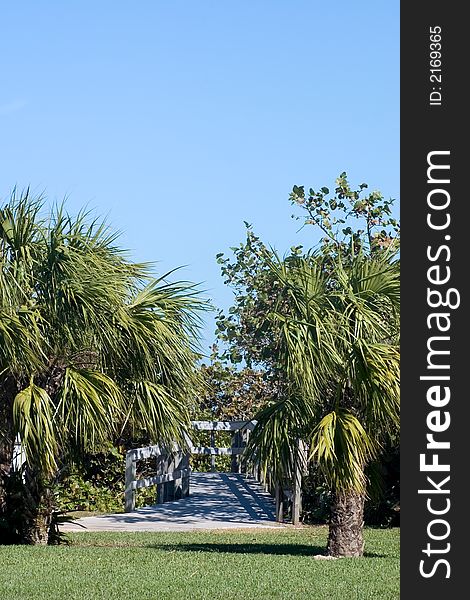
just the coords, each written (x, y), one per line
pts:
(245, 565)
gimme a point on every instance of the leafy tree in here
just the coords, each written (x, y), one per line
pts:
(350, 220)
(324, 325)
(341, 372)
(231, 393)
(90, 344)
(242, 332)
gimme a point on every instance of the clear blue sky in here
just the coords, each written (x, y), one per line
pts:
(181, 119)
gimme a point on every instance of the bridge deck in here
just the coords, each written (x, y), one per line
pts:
(216, 501)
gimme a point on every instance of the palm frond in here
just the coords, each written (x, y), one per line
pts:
(33, 420)
(21, 345)
(375, 379)
(163, 416)
(90, 406)
(274, 441)
(338, 353)
(342, 448)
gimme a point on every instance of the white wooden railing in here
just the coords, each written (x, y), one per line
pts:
(173, 471)
(172, 479)
(172, 464)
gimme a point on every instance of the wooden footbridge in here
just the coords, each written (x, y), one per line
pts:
(187, 500)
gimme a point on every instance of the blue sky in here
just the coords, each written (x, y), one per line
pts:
(178, 120)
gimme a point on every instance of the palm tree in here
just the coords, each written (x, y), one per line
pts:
(90, 343)
(338, 356)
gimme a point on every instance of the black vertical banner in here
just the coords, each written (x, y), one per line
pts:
(435, 394)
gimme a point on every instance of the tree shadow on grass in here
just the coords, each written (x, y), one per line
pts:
(271, 549)
(274, 549)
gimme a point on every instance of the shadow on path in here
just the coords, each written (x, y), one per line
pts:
(216, 500)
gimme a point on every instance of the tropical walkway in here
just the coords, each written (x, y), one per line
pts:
(216, 501)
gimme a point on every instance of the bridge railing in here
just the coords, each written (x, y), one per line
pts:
(289, 490)
(173, 471)
(240, 431)
(172, 464)
(172, 478)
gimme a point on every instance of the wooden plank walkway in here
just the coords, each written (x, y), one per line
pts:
(216, 501)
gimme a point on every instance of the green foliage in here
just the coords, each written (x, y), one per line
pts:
(349, 219)
(316, 497)
(323, 326)
(96, 484)
(117, 345)
(382, 508)
(241, 331)
(231, 393)
(79, 494)
(91, 344)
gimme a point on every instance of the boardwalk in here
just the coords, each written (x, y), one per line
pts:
(216, 501)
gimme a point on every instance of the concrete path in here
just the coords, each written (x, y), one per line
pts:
(216, 501)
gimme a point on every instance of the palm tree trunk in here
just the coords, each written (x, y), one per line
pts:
(7, 393)
(6, 456)
(25, 505)
(36, 529)
(38, 509)
(345, 537)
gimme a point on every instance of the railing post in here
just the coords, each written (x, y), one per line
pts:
(129, 494)
(160, 470)
(170, 485)
(279, 503)
(185, 481)
(296, 500)
(245, 436)
(299, 468)
(236, 443)
(178, 460)
(267, 481)
(212, 434)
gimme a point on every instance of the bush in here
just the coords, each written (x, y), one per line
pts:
(96, 484)
(382, 506)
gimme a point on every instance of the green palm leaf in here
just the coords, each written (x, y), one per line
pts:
(110, 343)
(90, 407)
(342, 448)
(33, 415)
(165, 417)
(338, 352)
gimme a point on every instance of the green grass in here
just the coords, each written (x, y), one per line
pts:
(269, 564)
